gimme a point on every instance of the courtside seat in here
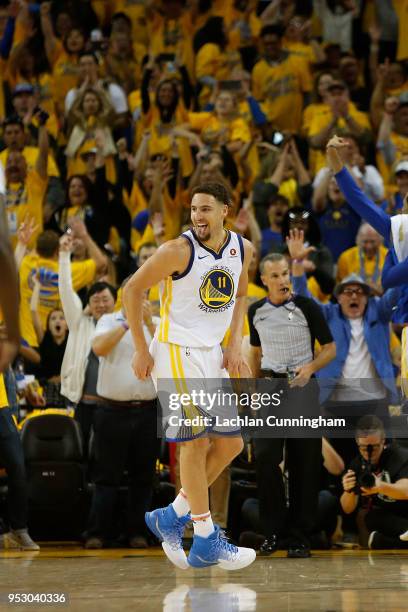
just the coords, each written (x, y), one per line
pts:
(57, 494)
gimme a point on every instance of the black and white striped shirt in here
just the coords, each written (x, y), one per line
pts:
(287, 332)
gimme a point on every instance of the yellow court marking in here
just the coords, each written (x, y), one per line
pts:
(73, 550)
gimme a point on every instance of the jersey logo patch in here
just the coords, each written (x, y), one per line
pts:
(217, 289)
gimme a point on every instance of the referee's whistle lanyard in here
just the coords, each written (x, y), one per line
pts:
(284, 305)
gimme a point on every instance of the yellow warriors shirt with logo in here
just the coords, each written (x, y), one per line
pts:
(196, 306)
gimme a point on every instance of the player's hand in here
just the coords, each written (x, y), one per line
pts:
(235, 364)
(142, 364)
(349, 481)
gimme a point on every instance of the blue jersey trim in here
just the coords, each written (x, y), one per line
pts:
(241, 247)
(190, 262)
(214, 253)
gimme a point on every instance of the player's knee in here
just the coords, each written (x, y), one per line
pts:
(199, 446)
(237, 446)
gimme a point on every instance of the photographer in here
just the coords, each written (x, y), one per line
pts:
(377, 481)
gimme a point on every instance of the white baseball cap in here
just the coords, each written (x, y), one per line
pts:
(402, 167)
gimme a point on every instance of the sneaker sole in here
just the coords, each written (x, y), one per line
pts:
(177, 557)
(225, 565)
(234, 565)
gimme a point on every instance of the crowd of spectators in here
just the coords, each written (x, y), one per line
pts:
(112, 111)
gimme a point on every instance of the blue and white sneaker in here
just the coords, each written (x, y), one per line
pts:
(216, 550)
(169, 529)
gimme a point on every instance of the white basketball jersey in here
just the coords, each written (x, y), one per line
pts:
(196, 306)
(399, 230)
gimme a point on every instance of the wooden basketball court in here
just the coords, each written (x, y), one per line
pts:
(123, 579)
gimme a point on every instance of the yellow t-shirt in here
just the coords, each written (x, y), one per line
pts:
(135, 100)
(289, 189)
(401, 8)
(317, 159)
(241, 32)
(172, 36)
(83, 273)
(305, 52)
(160, 141)
(310, 112)
(245, 332)
(349, 263)
(315, 290)
(400, 143)
(136, 11)
(280, 87)
(255, 291)
(211, 61)
(30, 155)
(3, 393)
(64, 75)
(171, 218)
(103, 11)
(207, 124)
(22, 199)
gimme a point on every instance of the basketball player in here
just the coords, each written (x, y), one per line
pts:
(204, 275)
(8, 298)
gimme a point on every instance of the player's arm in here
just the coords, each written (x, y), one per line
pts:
(172, 257)
(232, 355)
(355, 197)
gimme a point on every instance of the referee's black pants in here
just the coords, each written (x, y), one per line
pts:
(304, 460)
(124, 437)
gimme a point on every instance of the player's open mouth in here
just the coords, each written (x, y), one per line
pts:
(284, 290)
(201, 227)
(353, 305)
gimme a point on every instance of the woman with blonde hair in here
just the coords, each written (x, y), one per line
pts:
(89, 119)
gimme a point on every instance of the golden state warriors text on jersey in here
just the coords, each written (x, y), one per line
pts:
(217, 289)
(196, 306)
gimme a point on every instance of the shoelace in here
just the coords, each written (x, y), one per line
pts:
(221, 543)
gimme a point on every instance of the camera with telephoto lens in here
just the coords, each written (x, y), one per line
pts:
(365, 475)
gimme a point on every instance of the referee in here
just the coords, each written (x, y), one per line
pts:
(283, 330)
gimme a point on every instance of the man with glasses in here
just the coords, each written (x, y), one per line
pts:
(386, 500)
(360, 380)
